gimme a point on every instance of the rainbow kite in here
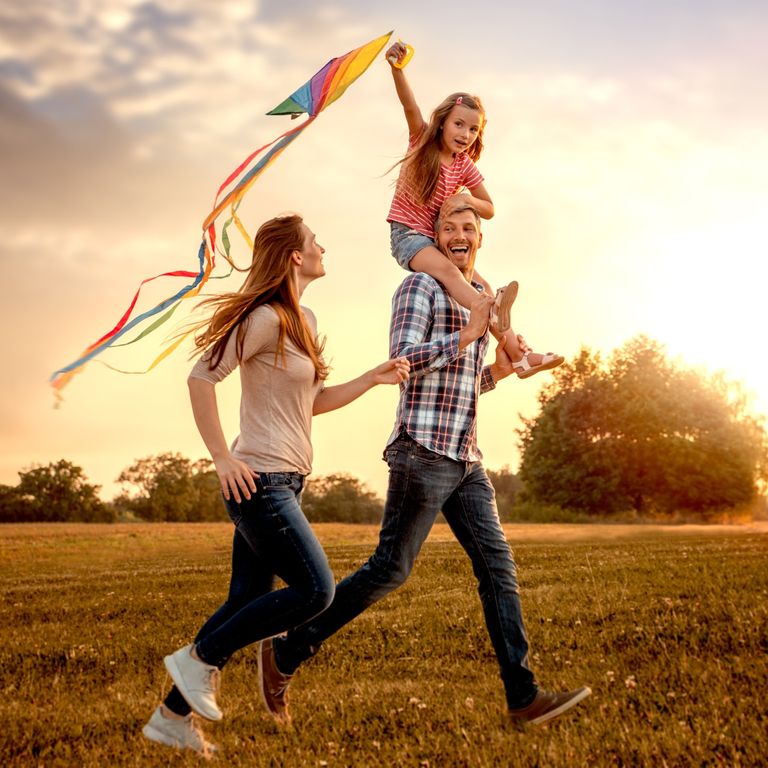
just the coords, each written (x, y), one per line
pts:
(313, 97)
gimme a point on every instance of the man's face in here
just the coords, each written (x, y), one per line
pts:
(459, 237)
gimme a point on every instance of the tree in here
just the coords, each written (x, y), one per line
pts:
(340, 498)
(14, 507)
(507, 486)
(170, 487)
(59, 492)
(640, 433)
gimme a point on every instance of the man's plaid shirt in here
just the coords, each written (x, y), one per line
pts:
(438, 403)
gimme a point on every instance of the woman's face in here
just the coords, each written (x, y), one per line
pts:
(311, 266)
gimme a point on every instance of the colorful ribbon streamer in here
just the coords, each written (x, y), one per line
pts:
(321, 90)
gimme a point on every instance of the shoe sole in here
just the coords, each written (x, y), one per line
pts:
(507, 300)
(178, 679)
(153, 734)
(564, 707)
(539, 368)
(260, 670)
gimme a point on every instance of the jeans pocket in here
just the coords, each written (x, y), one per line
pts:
(424, 455)
(275, 481)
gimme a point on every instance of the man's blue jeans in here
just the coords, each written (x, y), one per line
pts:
(421, 484)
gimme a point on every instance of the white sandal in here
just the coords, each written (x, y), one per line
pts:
(524, 369)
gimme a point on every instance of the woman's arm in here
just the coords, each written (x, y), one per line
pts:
(234, 475)
(392, 371)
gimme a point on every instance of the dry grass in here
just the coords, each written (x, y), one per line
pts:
(668, 625)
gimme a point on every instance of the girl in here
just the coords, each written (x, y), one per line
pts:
(263, 329)
(438, 163)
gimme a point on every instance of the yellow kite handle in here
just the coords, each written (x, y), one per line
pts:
(402, 62)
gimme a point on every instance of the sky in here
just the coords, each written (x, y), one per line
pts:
(626, 153)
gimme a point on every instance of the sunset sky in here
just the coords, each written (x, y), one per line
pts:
(626, 154)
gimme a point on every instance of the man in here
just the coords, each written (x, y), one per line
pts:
(435, 466)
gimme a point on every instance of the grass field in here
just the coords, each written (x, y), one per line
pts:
(668, 625)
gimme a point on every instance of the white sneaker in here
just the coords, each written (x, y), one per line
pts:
(182, 734)
(197, 681)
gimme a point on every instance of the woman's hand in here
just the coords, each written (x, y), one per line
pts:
(235, 476)
(394, 371)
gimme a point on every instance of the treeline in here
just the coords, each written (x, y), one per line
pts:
(171, 488)
(166, 488)
(634, 436)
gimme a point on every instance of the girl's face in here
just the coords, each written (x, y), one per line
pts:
(461, 128)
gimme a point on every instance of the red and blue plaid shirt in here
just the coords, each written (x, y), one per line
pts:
(438, 403)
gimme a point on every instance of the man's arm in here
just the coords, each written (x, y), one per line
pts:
(413, 307)
(413, 311)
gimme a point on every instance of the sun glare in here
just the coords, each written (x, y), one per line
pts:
(706, 296)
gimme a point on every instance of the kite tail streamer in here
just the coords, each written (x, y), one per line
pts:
(206, 258)
(315, 95)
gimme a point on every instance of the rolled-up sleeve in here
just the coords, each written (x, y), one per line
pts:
(413, 309)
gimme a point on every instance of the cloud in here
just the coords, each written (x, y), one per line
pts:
(176, 76)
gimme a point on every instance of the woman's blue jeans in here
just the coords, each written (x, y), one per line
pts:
(421, 484)
(272, 539)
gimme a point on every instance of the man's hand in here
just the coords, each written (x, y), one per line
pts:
(479, 315)
(502, 367)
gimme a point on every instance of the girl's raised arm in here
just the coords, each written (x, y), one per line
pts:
(413, 114)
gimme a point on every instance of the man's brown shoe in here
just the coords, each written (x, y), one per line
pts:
(547, 705)
(273, 683)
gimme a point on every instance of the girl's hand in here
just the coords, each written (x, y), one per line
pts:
(395, 54)
(393, 371)
(453, 202)
(235, 476)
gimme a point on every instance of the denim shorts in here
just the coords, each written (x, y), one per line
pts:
(406, 243)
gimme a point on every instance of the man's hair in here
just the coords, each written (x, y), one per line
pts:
(459, 209)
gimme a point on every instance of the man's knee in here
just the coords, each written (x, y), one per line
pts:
(388, 573)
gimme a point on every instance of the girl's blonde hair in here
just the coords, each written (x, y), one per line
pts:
(421, 165)
(270, 281)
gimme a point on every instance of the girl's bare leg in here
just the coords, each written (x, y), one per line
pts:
(527, 363)
(435, 264)
(431, 261)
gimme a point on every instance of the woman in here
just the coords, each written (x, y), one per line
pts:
(263, 329)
